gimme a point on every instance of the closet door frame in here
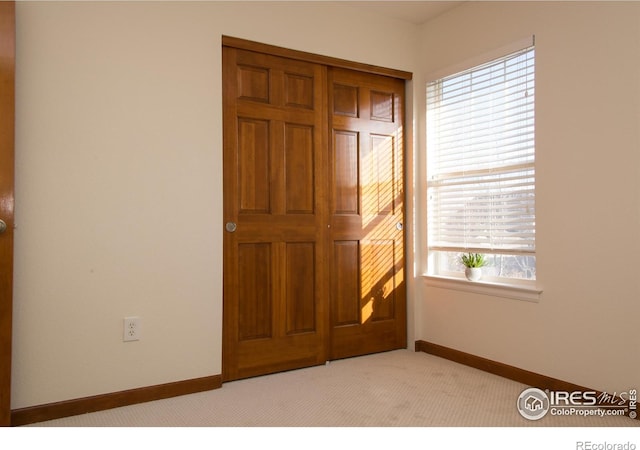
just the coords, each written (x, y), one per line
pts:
(243, 44)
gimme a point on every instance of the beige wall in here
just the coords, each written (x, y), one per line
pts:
(585, 327)
(119, 204)
(119, 193)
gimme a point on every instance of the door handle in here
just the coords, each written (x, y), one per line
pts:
(230, 227)
(3, 226)
(399, 226)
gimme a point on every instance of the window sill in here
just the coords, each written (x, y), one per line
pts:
(526, 293)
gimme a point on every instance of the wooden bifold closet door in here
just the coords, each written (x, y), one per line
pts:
(313, 210)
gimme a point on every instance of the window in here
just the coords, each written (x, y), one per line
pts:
(481, 169)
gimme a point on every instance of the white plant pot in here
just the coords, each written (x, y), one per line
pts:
(473, 273)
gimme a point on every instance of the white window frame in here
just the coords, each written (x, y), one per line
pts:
(529, 290)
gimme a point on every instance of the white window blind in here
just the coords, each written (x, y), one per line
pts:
(481, 158)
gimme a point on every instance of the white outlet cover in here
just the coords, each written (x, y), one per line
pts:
(131, 329)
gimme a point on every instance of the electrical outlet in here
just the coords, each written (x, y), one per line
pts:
(131, 329)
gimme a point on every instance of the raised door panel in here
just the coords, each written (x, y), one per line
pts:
(299, 90)
(382, 106)
(256, 308)
(379, 176)
(345, 100)
(253, 83)
(254, 164)
(300, 291)
(346, 192)
(379, 288)
(300, 170)
(345, 275)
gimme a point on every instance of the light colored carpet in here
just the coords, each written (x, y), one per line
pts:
(394, 389)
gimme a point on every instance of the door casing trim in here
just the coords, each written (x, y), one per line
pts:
(243, 44)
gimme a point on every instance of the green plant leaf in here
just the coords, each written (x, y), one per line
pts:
(473, 260)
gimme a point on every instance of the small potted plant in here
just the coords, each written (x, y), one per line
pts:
(473, 263)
